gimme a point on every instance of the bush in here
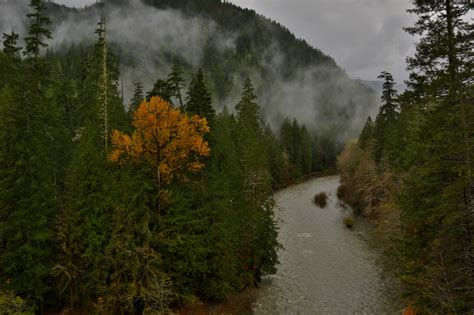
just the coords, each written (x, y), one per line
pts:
(321, 199)
(349, 222)
(341, 192)
(13, 305)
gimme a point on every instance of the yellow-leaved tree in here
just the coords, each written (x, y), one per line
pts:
(165, 139)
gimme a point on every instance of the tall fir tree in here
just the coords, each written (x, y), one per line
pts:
(30, 176)
(367, 134)
(385, 123)
(138, 97)
(10, 47)
(198, 99)
(176, 81)
(257, 242)
(38, 29)
(161, 88)
(437, 203)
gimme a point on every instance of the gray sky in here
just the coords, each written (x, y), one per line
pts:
(365, 37)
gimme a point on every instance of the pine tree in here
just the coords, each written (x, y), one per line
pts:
(175, 80)
(10, 45)
(277, 164)
(38, 30)
(367, 135)
(258, 244)
(161, 88)
(138, 97)
(103, 86)
(95, 193)
(286, 139)
(306, 151)
(32, 163)
(247, 109)
(437, 198)
(98, 97)
(386, 120)
(198, 99)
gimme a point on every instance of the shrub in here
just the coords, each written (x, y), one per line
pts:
(13, 305)
(349, 222)
(321, 199)
(341, 191)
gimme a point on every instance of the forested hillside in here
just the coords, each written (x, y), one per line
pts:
(291, 78)
(411, 169)
(119, 207)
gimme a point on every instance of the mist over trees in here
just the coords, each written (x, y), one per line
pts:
(229, 44)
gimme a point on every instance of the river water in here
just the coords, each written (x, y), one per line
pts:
(325, 268)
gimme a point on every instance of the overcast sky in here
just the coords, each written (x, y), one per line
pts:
(365, 37)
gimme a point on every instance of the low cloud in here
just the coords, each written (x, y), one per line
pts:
(322, 97)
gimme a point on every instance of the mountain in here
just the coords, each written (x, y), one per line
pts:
(230, 43)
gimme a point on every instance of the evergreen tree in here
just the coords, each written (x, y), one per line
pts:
(175, 80)
(437, 197)
(38, 29)
(199, 98)
(10, 45)
(286, 139)
(248, 111)
(138, 97)
(386, 120)
(298, 146)
(32, 163)
(95, 195)
(277, 164)
(162, 89)
(306, 151)
(257, 248)
(367, 135)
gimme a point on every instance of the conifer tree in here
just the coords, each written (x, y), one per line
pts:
(138, 97)
(30, 174)
(367, 134)
(103, 86)
(94, 192)
(306, 151)
(10, 47)
(286, 139)
(258, 244)
(175, 79)
(38, 30)
(276, 161)
(386, 119)
(437, 198)
(247, 109)
(199, 99)
(162, 89)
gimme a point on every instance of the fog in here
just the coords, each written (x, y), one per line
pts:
(150, 36)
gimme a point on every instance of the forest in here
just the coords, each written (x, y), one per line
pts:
(143, 206)
(150, 203)
(411, 169)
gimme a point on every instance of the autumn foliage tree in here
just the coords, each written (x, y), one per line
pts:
(167, 140)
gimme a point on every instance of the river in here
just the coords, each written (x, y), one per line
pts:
(325, 268)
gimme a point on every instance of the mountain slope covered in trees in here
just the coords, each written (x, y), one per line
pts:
(292, 79)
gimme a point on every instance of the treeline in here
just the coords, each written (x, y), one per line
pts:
(108, 209)
(411, 169)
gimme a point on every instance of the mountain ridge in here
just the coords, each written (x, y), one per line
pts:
(292, 78)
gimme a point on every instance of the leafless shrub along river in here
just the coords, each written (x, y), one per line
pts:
(325, 268)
